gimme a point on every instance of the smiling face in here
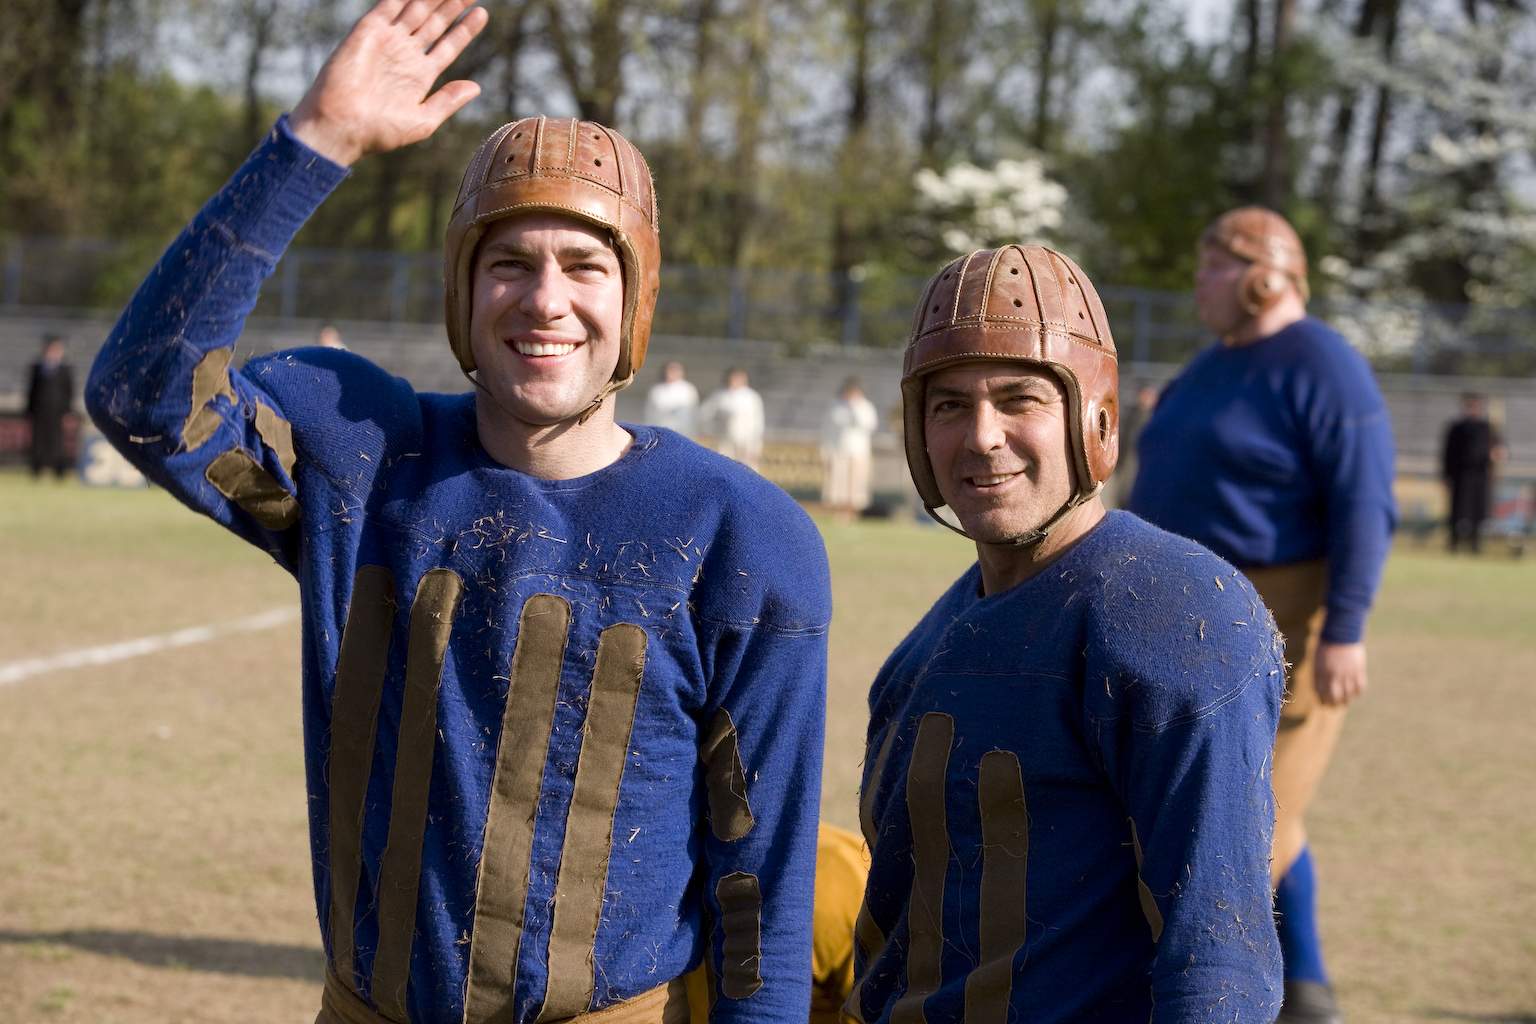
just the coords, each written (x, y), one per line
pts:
(996, 435)
(546, 316)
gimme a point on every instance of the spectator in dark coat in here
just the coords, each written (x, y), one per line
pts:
(50, 394)
(1472, 447)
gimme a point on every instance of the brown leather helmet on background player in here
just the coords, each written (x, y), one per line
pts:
(1026, 304)
(577, 168)
(1265, 239)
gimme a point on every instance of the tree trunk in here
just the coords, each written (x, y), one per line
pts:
(847, 232)
(1275, 188)
(752, 100)
(1370, 196)
(1343, 121)
(1253, 19)
(607, 47)
(688, 170)
(260, 17)
(1049, 29)
(598, 85)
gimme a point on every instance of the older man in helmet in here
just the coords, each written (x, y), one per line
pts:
(1066, 794)
(563, 677)
(1274, 448)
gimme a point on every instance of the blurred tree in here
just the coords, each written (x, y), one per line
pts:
(1452, 224)
(589, 41)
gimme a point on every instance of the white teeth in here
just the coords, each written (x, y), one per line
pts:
(990, 481)
(539, 348)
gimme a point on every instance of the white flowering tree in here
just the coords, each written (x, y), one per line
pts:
(1450, 222)
(971, 207)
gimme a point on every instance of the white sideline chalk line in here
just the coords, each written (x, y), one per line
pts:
(16, 671)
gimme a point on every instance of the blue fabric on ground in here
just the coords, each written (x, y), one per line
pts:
(724, 574)
(1277, 452)
(1296, 922)
(1137, 680)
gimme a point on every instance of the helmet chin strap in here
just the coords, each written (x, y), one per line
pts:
(582, 417)
(1032, 537)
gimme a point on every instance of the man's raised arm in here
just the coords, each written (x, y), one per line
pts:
(162, 388)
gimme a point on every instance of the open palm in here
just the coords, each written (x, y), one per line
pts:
(374, 93)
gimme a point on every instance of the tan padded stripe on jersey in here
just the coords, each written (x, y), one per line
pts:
(277, 434)
(589, 822)
(930, 852)
(210, 378)
(243, 481)
(354, 722)
(730, 815)
(1144, 891)
(437, 599)
(867, 797)
(1004, 870)
(502, 888)
(741, 919)
(866, 933)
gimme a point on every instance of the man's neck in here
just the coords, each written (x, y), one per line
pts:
(560, 451)
(1283, 314)
(1004, 566)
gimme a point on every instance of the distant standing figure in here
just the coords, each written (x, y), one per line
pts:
(847, 448)
(734, 414)
(329, 337)
(1472, 447)
(1273, 447)
(674, 403)
(50, 393)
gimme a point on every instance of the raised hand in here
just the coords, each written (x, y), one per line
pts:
(372, 94)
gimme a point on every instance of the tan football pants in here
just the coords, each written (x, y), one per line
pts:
(1309, 729)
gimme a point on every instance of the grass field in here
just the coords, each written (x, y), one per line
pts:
(153, 857)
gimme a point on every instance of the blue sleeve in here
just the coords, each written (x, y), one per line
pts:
(769, 677)
(1186, 715)
(1349, 432)
(163, 390)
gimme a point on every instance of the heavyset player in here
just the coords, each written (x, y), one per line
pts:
(564, 677)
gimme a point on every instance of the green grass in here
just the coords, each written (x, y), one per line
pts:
(153, 810)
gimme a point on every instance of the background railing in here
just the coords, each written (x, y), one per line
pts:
(802, 310)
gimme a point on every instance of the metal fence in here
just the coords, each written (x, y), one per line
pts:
(803, 310)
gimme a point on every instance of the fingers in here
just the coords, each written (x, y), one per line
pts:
(438, 21)
(414, 14)
(447, 49)
(386, 10)
(446, 102)
(418, 13)
(1339, 688)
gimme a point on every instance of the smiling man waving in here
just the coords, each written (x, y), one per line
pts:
(1066, 792)
(563, 678)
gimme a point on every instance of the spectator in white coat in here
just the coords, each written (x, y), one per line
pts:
(673, 403)
(734, 415)
(847, 435)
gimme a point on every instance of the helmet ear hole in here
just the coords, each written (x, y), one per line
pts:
(1103, 420)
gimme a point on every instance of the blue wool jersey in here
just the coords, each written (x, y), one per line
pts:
(1029, 750)
(1274, 453)
(563, 737)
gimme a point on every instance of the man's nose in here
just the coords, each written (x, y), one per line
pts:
(548, 295)
(986, 429)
